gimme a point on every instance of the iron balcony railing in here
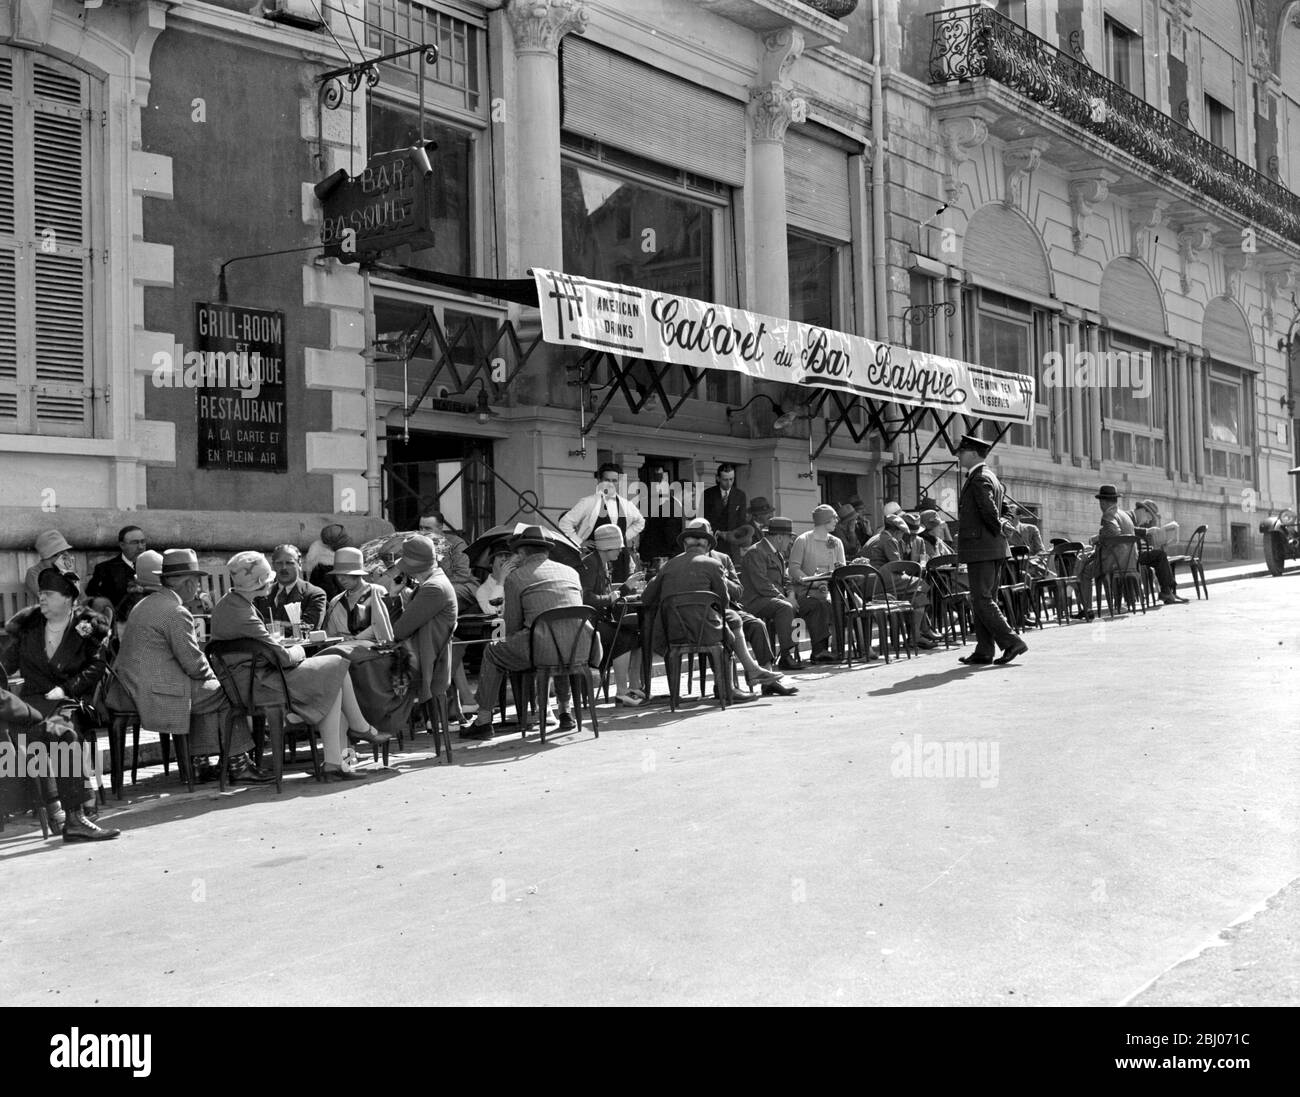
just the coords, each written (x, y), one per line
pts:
(968, 43)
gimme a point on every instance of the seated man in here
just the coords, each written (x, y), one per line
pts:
(1114, 523)
(1022, 534)
(112, 578)
(817, 552)
(697, 569)
(766, 583)
(428, 616)
(618, 632)
(291, 587)
(1146, 516)
(168, 678)
(453, 559)
(148, 578)
(884, 548)
(536, 584)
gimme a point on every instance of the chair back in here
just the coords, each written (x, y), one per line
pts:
(1066, 556)
(238, 675)
(692, 619)
(1196, 544)
(1060, 541)
(942, 576)
(855, 585)
(902, 567)
(1117, 556)
(948, 560)
(553, 642)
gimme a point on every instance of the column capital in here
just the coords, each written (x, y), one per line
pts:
(538, 25)
(772, 107)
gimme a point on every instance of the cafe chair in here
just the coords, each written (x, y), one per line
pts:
(123, 717)
(1119, 575)
(694, 623)
(863, 598)
(949, 604)
(1065, 587)
(437, 709)
(1191, 556)
(239, 680)
(1020, 586)
(913, 569)
(557, 651)
(28, 791)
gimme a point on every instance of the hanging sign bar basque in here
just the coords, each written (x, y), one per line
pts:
(644, 324)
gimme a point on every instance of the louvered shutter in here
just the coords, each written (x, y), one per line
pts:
(621, 102)
(45, 257)
(817, 186)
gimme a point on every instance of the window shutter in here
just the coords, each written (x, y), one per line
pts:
(817, 187)
(621, 102)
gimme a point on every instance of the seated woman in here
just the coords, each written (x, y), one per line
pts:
(61, 654)
(490, 597)
(319, 688)
(617, 631)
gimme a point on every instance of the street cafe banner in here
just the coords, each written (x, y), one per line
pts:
(644, 324)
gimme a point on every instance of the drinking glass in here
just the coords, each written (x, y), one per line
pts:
(276, 629)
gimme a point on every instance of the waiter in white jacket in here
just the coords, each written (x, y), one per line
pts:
(605, 506)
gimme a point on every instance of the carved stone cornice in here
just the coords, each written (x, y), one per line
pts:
(1193, 240)
(772, 108)
(538, 25)
(1020, 158)
(1086, 193)
(781, 49)
(1146, 220)
(1235, 265)
(961, 134)
(26, 22)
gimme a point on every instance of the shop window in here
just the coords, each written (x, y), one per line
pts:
(920, 325)
(398, 125)
(1011, 336)
(1134, 401)
(47, 161)
(1229, 435)
(814, 280)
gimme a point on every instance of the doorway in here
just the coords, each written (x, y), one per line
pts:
(447, 472)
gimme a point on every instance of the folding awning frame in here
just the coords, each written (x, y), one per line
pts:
(636, 396)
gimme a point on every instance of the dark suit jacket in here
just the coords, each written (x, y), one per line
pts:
(15, 712)
(979, 512)
(313, 600)
(428, 619)
(681, 575)
(762, 572)
(110, 579)
(725, 517)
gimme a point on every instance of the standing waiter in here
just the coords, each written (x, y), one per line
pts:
(982, 546)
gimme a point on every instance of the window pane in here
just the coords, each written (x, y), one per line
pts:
(1004, 344)
(1142, 450)
(1218, 462)
(396, 127)
(920, 328)
(814, 284)
(1123, 444)
(620, 231)
(1224, 408)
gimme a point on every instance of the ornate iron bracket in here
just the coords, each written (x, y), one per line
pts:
(331, 83)
(916, 315)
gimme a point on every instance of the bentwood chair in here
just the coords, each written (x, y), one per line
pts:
(123, 717)
(238, 665)
(864, 600)
(1065, 561)
(892, 572)
(949, 603)
(556, 651)
(25, 791)
(1191, 556)
(1119, 575)
(694, 623)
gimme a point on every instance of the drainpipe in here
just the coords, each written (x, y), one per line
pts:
(878, 181)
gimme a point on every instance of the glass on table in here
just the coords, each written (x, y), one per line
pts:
(276, 628)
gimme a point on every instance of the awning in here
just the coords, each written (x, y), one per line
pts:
(640, 323)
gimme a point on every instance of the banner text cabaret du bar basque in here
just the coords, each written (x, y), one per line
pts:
(641, 323)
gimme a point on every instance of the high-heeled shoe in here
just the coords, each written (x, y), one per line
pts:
(371, 735)
(342, 773)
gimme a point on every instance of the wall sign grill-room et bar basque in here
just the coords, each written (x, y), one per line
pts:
(389, 204)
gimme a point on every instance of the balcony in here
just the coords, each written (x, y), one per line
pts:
(976, 43)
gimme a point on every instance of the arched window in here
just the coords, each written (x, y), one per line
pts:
(1229, 395)
(46, 164)
(1134, 366)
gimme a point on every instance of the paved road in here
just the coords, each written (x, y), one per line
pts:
(1135, 797)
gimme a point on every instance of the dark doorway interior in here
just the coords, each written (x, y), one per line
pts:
(446, 472)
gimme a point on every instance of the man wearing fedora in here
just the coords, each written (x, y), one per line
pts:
(982, 546)
(764, 575)
(747, 535)
(536, 584)
(54, 552)
(111, 578)
(428, 617)
(148, 578)
(163, 670)
(1120, 558)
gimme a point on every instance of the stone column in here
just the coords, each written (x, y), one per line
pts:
(1075, 395)
(773, 105)
(1197, 438)
(1092, 336)
(1056, 398)
(956, 323)
(1181, 411)
(538, 26)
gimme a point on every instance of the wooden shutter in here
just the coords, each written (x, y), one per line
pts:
(45, 258)
(817, 187)
(620, 102)
(1130, 300)
(1225, 335)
